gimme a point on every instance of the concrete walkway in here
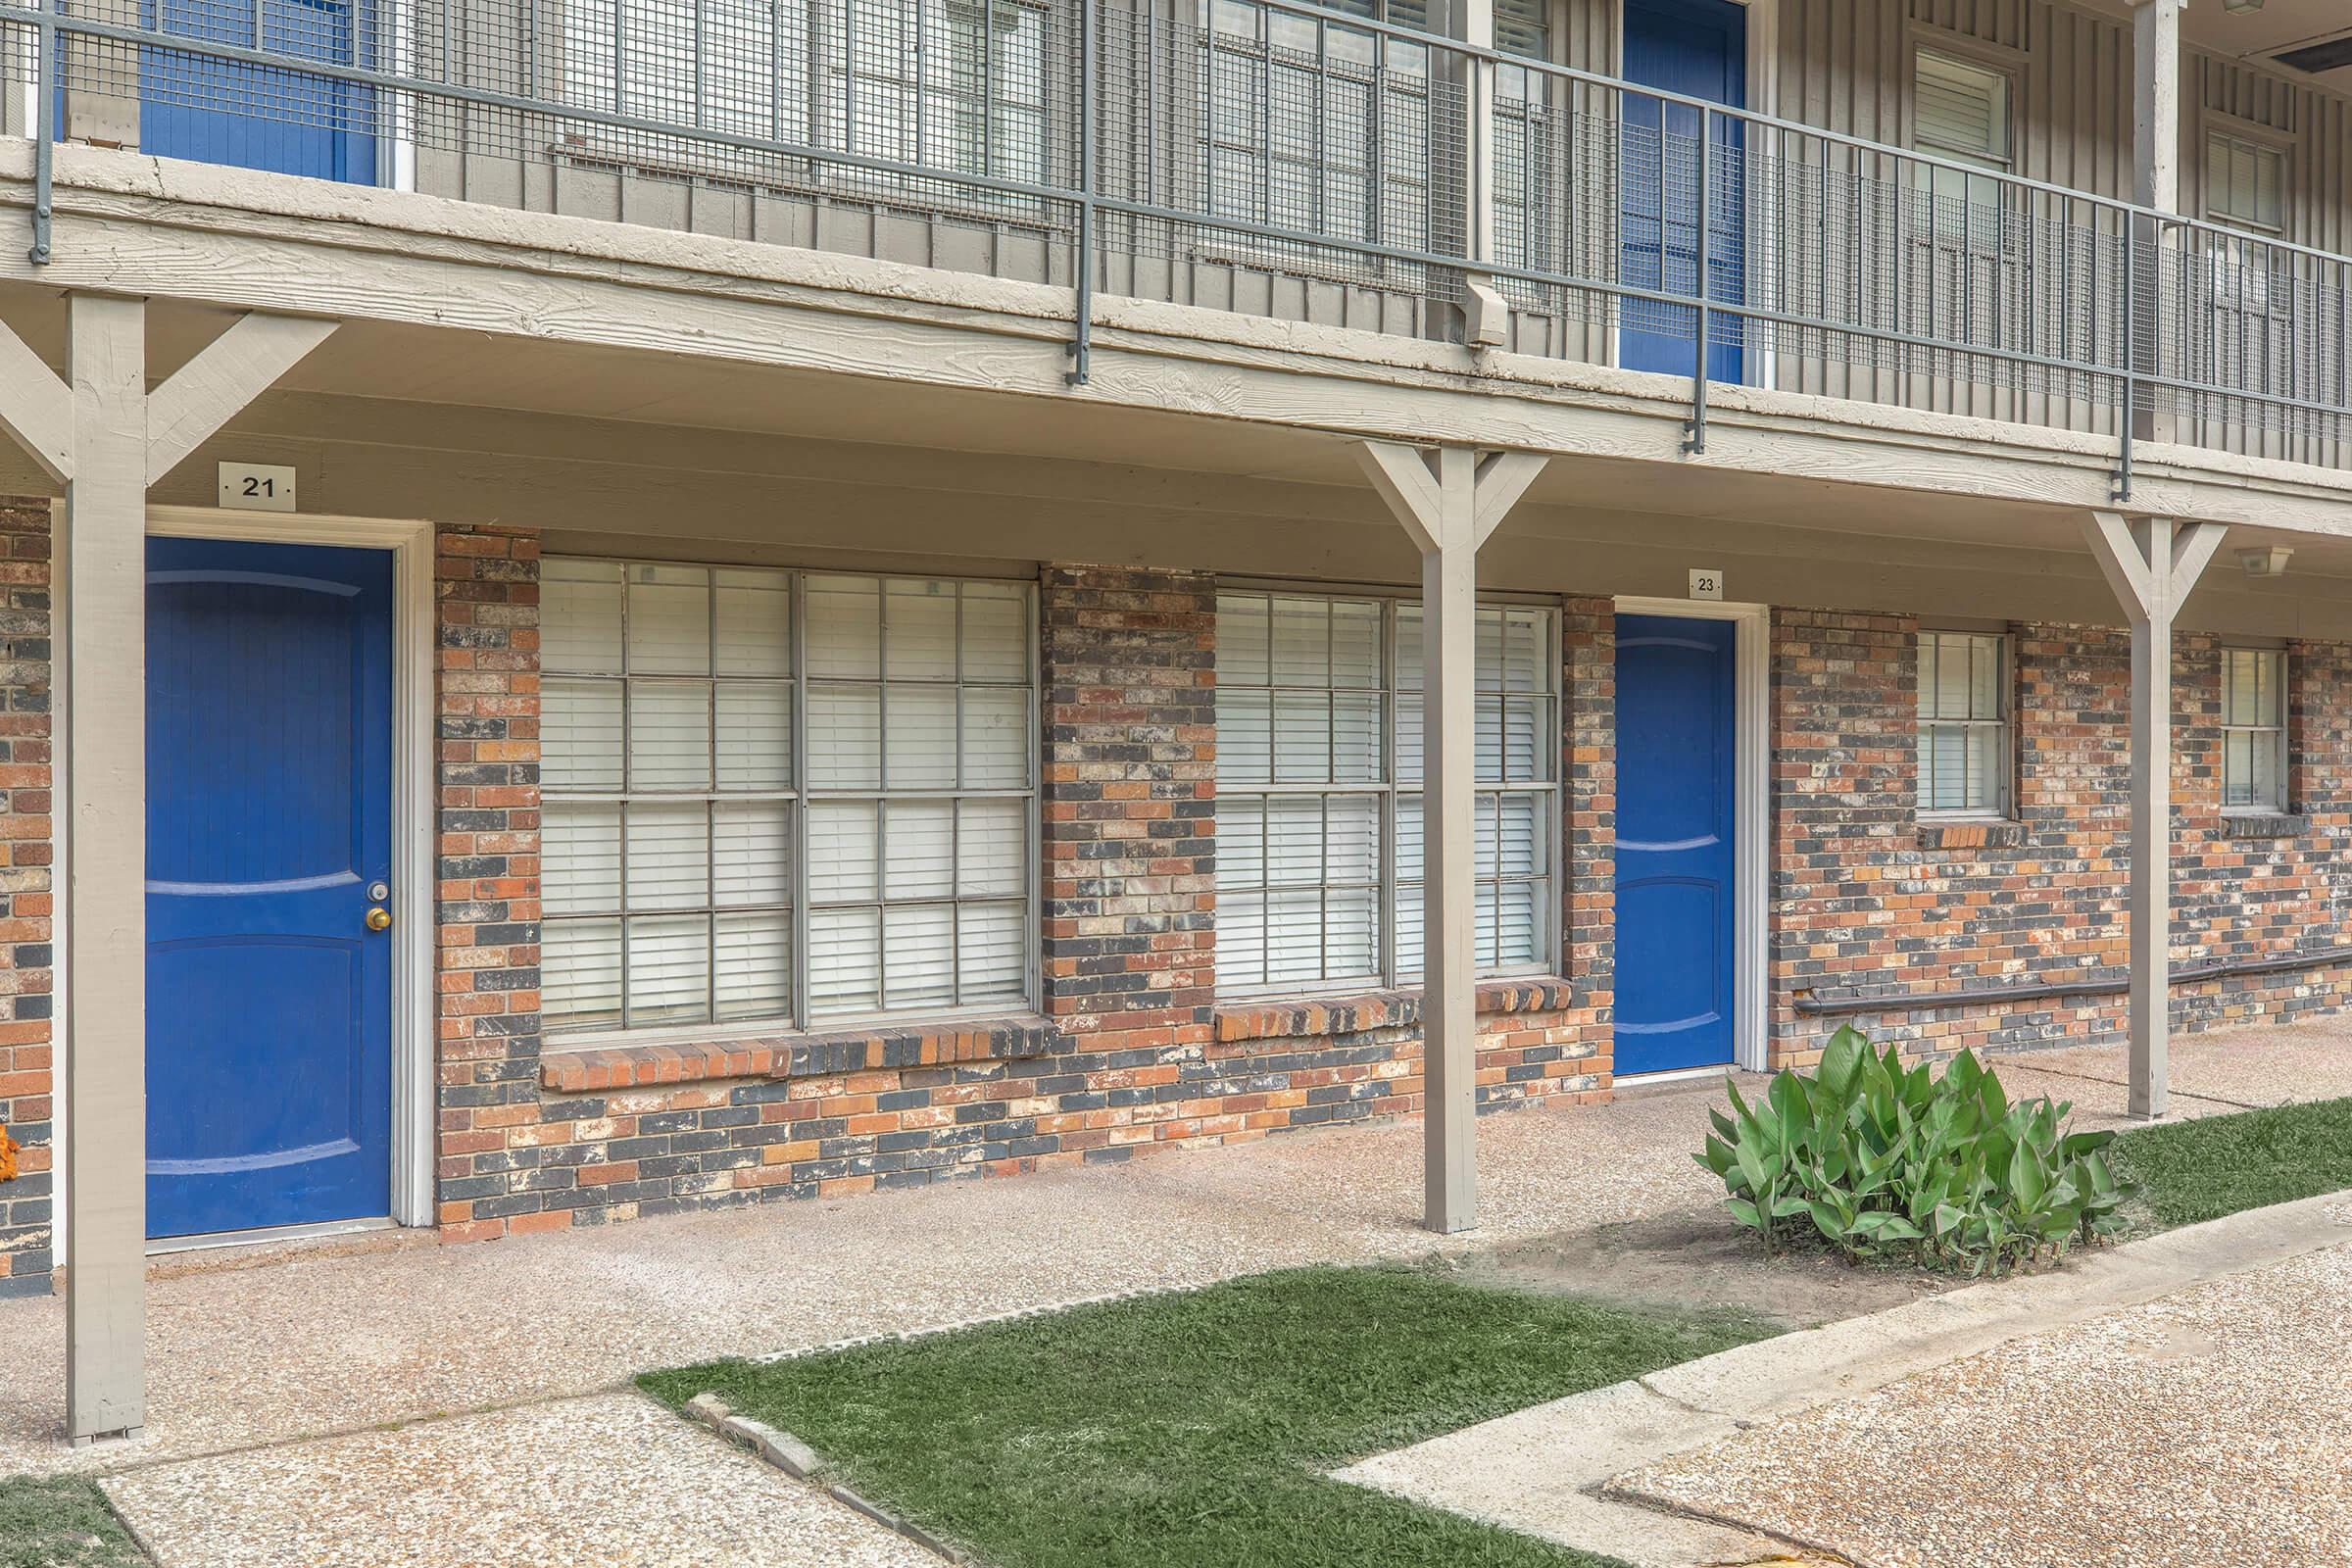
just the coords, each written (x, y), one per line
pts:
(244, 1359)
(2176, 1404)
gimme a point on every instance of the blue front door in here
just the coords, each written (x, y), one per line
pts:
(287, 122)
(269, 824)
(1697, 48)
(1677, 700)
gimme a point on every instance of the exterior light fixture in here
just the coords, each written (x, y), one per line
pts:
(2240, 7)
(2265, 560)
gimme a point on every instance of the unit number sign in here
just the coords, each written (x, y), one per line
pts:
(1706, 583)
(256, 487)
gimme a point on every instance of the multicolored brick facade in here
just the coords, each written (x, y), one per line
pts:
(1131, 1050)
(26, 893)
(1869, 901)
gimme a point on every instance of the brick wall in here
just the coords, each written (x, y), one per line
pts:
(27, 978)
(486, 771)
(1867, 901)
(1130, 1050)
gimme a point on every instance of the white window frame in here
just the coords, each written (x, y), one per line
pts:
(2252, 275)
(798, 796)
(2274, 662)
(2003, 722)
(1392, 790)
(1935, 179)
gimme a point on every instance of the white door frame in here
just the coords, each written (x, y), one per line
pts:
(1751, 817)
(412, 808)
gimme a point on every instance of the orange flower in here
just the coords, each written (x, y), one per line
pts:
(8, 1156)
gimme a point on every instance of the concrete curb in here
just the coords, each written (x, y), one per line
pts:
(1553, 1470)
(787, 1454)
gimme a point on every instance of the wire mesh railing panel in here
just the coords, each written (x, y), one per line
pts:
(1314, 163)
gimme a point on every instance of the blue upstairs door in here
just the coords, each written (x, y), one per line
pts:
(1677, 766)
(279, 119)
(1697, 48)
(268, 827)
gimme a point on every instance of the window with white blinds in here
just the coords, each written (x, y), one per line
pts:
(2245, 183)
(1963, 723)
(2253, 730)
(1319, 801)
(782, 796)
(1960, 110)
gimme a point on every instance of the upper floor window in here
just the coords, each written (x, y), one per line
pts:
(2245, 184)
(2253, 730)
(1961, 112)
(951, 84)
(1963, 723)
(1313, 126)
(1318, 798)
(779, 796)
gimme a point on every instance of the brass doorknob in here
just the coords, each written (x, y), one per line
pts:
(379, 918)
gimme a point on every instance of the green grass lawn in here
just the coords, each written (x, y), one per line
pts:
(62, 1523)
(2198, 1170)
(1190, 1429)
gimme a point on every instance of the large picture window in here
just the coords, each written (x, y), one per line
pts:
(778, 797)
(957, 85)
(1318, 798)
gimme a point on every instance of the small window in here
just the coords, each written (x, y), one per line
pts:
(2245, 184)
(1963, 723)
(2253, 730)
(1960, 111)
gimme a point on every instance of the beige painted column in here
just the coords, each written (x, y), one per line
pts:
(104, 437)
(1450, 501)
(104, 567)
(2152, 564)
(2155, 184)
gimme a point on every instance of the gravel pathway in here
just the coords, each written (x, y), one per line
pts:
(613, 1480)
(2211, 1426)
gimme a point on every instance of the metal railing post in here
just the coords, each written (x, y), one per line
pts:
(1083, 245)
(1694, 441)
(2133, 227)
(44, 131)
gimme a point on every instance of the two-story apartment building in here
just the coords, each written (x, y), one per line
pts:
(622, 606)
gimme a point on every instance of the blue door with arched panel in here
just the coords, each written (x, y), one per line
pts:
(1698, 49)
(268, 835)
(1677, 791)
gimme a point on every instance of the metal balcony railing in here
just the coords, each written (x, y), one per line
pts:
(1264, 156)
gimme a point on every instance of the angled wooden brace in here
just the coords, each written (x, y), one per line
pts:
(36, 408)
(211, 390)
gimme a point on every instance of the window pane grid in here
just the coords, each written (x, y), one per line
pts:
(2253, 730)
(1318, 711)
(1963, 723)
(696, 864)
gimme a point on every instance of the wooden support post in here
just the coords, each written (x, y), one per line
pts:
(1451, 503)
(2155, 184)
(104, 567)
(2152, 564)
(104, 437)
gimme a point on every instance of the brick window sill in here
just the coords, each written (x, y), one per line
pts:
(2265, 825)
(1380, 1010)
(591, 1068)
(1971, 835)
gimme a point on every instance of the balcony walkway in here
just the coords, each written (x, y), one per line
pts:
(265, 1357)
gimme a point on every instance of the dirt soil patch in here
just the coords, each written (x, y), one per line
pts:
(1699, 1258)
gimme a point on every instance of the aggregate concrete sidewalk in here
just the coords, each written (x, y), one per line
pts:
(253, 1365)
(2177, 1403)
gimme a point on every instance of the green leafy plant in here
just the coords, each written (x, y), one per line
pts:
(1883, 1160)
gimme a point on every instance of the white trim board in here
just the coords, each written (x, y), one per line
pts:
(1751, 1038)
(414, 884)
